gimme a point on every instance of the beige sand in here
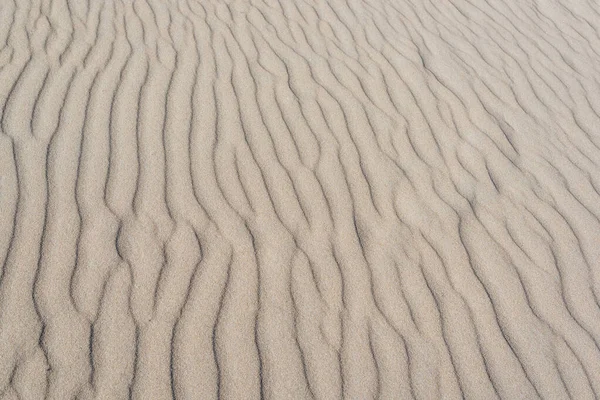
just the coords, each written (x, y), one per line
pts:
(291, 199)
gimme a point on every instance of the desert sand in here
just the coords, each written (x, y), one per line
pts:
(297, 199)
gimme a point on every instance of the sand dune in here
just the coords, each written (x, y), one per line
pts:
(286, 199)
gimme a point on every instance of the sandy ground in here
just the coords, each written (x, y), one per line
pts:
(280, 199)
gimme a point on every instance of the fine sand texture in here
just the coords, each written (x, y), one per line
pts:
(298, 199)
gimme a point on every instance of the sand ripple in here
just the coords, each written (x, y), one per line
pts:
(284, 199)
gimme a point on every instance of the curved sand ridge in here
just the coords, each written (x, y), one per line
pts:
(299, 199)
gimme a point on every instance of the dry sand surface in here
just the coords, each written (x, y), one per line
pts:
(290, 199)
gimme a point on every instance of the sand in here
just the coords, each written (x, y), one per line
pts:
(243, 199)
